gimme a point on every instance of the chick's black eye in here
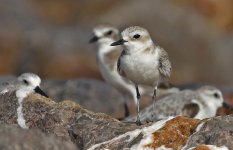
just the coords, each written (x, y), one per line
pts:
(109, 32)
(136, 36)
(25, 81)
(216, 95)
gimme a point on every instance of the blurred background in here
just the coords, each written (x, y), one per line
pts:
(50, 37)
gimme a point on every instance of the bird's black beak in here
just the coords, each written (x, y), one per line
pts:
(94, 39)
(120, 42)
(39, 91)
(227, 106)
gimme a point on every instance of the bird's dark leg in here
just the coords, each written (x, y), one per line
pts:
(126, 109)
(153, 98)
(138, 106)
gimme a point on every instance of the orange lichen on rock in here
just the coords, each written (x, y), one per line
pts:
(175, 133)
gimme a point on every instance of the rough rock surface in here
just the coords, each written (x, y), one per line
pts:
(63, 119)
(215, 131)
(209, 147)
(173, 134)
(87, 131)
(70, 122)
(15, 138)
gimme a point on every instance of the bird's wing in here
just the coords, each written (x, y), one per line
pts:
(164, 64)
(190, 110)
(171, 105)
(5, 87)
(120, 71)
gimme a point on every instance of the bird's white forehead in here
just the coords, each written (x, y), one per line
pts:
(130, 31)
(208, 89)
(32, 78)
(101, 29)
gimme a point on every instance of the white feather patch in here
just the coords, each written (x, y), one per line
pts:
(21, 94)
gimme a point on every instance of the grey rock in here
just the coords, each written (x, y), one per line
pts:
(93, 131)
(68, 121)
(93, 95)
(214, 131)
(15, 138)
(65, 119)
(54, 88)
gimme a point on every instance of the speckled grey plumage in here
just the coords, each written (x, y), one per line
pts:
(182, 103)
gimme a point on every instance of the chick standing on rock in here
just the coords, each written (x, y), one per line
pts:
(141, 61)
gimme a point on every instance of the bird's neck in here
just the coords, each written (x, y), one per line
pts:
(210, 105)
(107, 56)
(148, 47)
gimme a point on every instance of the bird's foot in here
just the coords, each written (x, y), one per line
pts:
(129, 122)
(149, 121)
(138, 122)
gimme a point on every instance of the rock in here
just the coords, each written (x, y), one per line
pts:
(93, 95)
(87, 132)
(15, 138)
(62, 119)
(68, 121)
(55, 89)
(214, 131)
(208, 147)
(175, 133)
(171, 133)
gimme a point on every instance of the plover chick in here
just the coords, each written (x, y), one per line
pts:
(199, 104)
(141, 61)
(27, 82)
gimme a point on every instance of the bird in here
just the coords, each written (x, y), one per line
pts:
(141, 61)
(26, 82)
(107, 57)
(24, 85)
(199, 104)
